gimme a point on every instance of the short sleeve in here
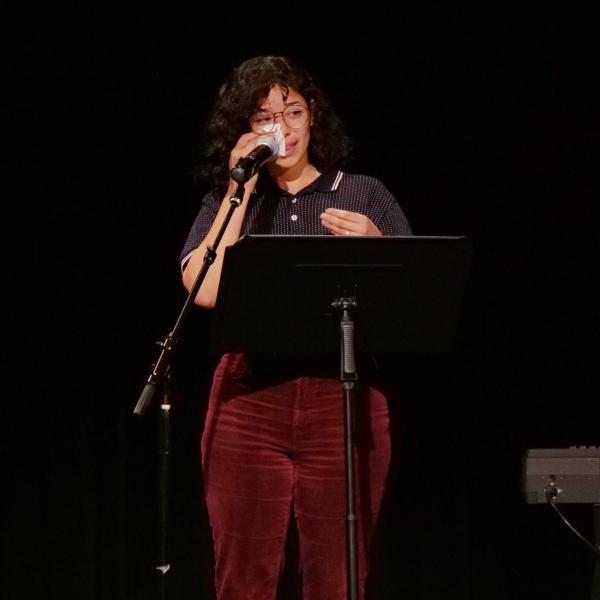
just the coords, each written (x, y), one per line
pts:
(387, 213)
(201, 226)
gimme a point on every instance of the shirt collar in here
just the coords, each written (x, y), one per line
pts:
(326, 182)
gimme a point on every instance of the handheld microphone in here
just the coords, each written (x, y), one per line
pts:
(265, 151)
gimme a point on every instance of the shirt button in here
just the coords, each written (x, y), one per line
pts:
(294, 217)
(294, 200)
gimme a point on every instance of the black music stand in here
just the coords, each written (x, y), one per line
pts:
(291, 295)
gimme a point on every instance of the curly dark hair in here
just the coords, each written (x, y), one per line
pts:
(238, 98)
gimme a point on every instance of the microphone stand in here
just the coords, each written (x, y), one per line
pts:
(160, 376)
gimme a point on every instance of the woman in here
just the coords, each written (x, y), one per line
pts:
(273, 437)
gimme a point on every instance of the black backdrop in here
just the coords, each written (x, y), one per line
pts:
(483, 124)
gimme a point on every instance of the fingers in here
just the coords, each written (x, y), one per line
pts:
(336, 230)
(344, 215)
(345, 222)
(244, 146)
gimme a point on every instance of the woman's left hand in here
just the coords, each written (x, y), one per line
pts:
(344, 222)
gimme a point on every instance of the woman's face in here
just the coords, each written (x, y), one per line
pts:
(296, 139)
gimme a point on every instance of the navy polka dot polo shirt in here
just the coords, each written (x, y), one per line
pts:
(276, 212)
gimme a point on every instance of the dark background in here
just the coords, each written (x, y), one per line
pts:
(483, 123)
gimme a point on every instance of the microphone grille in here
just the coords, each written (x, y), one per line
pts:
(266, 140)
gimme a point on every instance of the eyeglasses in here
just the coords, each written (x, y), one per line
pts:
(294, 116)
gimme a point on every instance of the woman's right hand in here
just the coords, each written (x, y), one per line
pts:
(244, 146)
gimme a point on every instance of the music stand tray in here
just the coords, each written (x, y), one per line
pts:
(275, 293)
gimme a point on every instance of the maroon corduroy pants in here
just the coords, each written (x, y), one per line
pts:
(269, 447)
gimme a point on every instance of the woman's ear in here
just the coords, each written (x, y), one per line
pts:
(312, 112)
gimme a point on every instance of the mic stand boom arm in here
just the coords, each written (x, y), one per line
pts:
(169, 343)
